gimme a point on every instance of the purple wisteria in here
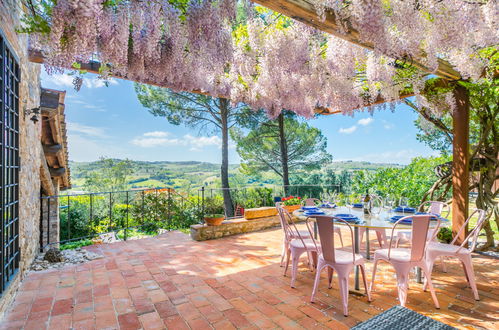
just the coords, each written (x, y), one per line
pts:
(268, 65)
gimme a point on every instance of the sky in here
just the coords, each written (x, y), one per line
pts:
(109, 121)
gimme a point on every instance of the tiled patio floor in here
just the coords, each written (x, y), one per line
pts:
(236, 282)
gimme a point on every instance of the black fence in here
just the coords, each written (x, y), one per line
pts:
(125, 214)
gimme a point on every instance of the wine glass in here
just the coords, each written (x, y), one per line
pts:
(403, 203)
(389, 203)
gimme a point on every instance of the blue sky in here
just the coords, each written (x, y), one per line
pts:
(111, 122)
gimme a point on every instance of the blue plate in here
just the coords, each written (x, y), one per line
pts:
(405, 209)
(309, 208)
(398, 217)
(347, 217)
(314, 212)
(328, 206)
(357, 205)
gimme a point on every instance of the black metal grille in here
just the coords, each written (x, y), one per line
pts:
(9, 164)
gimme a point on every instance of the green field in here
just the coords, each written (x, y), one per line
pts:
(192, 175)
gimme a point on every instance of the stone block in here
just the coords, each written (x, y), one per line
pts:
(260, 212)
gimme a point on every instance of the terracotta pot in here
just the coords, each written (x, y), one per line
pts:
(213, 221)
(292, 208)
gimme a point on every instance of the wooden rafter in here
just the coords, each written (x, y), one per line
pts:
(304, 11)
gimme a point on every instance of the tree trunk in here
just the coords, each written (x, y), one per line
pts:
(284, 154)
(224, 171)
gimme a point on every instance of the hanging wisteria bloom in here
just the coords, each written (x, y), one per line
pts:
(272, 62)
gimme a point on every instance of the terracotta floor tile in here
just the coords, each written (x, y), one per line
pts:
(234, 282)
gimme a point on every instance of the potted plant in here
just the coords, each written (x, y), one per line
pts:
(213, 211)
(444, 235)
(291, 203)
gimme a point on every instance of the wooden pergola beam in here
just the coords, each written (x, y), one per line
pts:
(304, 11)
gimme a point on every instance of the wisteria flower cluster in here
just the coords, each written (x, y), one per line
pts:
(263, 62)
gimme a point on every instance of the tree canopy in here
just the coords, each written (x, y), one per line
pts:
(260, 148)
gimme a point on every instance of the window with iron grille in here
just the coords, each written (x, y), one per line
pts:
(9, 164)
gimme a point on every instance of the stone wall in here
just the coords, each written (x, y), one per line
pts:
(29, 175)
(234, 227)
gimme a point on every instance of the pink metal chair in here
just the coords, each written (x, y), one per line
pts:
(403, 259)
(336, 260)
(460, 252)
(284, 224)
(440, 209)
(313, 202)
(297, 245)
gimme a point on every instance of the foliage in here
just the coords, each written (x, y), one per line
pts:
(213, 206)
(260, 149)
(291, 200)
(113, 175)
(411, 182)
(75, 244)
(324, 180)
(75, 218)
(253, 197)
(445, 235)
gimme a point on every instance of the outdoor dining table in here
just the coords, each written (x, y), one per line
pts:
(374, 221)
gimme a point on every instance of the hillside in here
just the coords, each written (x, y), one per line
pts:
(192, 174)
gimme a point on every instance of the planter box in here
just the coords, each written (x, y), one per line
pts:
(260, 212)
(291, 208)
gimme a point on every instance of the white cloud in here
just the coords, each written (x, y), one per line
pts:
(65, 80)
(159, 139)
(348, 130)
(157, 134)
(150, 142)
(365, 121)
(203, 141)
(387, 125)
(90, 131)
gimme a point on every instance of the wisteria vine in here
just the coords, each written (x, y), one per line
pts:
(268, 61)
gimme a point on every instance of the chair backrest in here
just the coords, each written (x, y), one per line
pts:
(325, 226)
(312, 201)
(473, 234)
(435, 207)
(284, 222)
(420, 226)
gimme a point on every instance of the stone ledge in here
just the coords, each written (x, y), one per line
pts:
(260, 212)
(233, 227)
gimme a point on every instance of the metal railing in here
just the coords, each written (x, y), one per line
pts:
(122, 213)
(90, 215)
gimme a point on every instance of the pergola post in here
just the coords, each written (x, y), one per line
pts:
(460, 161)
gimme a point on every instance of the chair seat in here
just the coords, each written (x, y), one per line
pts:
(398, 254)
(298, 243)
(345, 257)
(445, 249)
(303, 234)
